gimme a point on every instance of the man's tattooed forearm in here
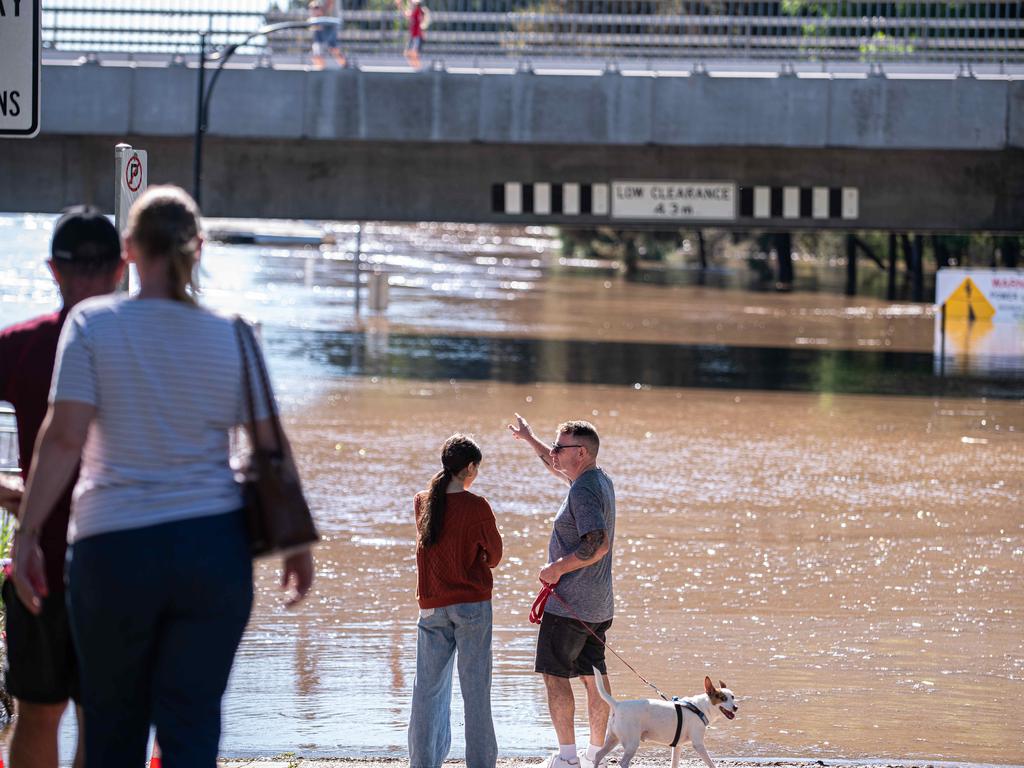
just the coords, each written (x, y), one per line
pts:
(590, 544)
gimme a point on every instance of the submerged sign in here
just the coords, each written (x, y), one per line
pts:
(979, 318)
(674, 200)
(19, 68)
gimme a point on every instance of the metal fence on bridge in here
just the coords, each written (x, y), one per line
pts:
(790, 30)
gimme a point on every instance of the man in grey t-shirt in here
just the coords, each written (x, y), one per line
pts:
(580, 564)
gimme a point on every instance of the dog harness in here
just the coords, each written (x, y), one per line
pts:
(679, 717)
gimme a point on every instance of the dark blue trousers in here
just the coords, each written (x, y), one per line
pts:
(157, 614)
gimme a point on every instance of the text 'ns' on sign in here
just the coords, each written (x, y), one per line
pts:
(19, 68)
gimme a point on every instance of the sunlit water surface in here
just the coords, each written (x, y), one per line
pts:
(850, 564)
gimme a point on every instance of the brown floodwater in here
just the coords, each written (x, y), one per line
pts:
(806, 509)
(850, 566)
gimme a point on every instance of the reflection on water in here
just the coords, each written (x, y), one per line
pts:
(463, 280)
(849, 561)
(383, 354)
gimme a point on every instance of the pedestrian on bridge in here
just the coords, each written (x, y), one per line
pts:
(325, 36)
(419, 19)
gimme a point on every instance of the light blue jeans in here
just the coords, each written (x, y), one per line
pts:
(465, 628)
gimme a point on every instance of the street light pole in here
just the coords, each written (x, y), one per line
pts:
(203, 93)
(197, 145)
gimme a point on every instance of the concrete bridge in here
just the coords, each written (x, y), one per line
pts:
(739, 146)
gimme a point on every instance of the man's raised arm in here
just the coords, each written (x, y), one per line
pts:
(521, 430)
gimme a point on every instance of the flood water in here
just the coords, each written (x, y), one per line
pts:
(805, 509)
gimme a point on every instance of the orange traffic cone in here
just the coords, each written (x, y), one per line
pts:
(154, 760)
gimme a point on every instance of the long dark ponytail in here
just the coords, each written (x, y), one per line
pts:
(457, 453)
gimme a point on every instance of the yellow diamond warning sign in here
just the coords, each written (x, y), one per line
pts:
(967, 302)
(979, 319)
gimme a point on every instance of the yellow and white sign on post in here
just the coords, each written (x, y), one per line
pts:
(20, 68)
(131, 175)
(979, 319)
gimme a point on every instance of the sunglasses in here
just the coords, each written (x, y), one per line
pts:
(555, 447)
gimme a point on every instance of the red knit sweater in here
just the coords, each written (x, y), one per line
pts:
(457, 567)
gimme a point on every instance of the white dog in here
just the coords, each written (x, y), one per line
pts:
(664, 722)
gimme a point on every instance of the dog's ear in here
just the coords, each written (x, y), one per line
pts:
(709, 687)
(722, 685)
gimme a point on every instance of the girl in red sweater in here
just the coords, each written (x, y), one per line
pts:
(457, 545)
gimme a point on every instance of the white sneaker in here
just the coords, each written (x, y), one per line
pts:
(586, 762)
(557, 761)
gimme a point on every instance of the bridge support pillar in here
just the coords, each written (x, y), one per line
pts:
(890, 284)
(851, 265)
(784, 256)
(1010, 250)
(702, 254)
(917, 269)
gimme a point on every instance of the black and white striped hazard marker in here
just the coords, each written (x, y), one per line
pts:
(821, 203)
(544, 198)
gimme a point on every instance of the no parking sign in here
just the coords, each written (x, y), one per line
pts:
(133, 176)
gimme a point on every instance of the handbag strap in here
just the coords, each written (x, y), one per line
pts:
(246, 340)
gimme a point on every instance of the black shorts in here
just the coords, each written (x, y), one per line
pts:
(566, 649)
(41, 666)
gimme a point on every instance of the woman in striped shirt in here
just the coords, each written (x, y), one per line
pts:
(145, 392)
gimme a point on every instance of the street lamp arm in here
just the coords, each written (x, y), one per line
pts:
(222, 56)
(203, 95)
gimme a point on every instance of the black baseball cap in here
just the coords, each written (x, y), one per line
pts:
(84, 235)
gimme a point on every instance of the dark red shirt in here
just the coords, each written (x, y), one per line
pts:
(457, 567)
(416, 21)
(27, 353)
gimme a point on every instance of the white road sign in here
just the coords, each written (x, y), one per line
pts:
(19, 68)
(674, 200)
(133, 178)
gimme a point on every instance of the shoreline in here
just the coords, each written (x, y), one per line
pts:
(651, 758)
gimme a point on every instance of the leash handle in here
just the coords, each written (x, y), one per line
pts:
(537, 613)
(537, 609)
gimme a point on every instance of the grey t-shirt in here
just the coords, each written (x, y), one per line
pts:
(589, 506)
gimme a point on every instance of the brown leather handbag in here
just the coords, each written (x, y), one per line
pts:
(276, 512)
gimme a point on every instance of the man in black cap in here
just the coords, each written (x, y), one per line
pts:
(41, 673)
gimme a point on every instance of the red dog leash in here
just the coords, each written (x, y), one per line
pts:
(537, 613)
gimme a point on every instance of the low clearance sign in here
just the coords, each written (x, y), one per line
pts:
(19, 68)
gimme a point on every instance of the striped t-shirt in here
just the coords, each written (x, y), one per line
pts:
(166, 380)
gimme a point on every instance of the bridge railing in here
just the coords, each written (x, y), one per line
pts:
(791, 30)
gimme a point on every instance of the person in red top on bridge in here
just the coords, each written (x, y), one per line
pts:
(42, 673)
(457, 546)
(419, 20)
